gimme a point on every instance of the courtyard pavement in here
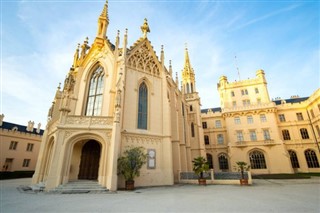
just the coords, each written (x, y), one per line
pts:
(300, 195)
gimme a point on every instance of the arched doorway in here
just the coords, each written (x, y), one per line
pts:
(89, 164)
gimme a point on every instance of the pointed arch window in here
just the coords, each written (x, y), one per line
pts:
(143, 106)
(94, 100)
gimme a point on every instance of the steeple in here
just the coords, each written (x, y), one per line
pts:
(145, 28)
(188, 80)
(103, 23)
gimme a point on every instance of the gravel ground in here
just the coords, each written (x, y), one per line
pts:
(300, 195)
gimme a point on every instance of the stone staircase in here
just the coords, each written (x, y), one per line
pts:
(80, 187)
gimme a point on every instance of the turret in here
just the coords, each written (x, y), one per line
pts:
(103, 22)
(188, 79)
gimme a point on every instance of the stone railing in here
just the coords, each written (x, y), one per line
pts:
(92, 121)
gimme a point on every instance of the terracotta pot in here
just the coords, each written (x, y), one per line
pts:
(243, 181)
(129, 184)
(202, 182)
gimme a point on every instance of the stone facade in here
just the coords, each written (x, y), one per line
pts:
(116, 97)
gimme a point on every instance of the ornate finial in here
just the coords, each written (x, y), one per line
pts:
(186, 45)
(145, 28)
(59, 86)
(170, 68)
(104, 12)
(126, 33)
(177, 79)
(118, 33)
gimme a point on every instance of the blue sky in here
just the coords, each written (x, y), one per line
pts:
(38, 40)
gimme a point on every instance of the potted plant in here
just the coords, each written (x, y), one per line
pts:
(243, 166)
(200, 165)
(130, 163)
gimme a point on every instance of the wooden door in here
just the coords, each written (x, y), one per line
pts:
(89, 164)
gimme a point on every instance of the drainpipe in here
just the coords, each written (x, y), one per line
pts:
(314, 134)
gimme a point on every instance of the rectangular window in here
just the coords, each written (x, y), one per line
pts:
(232, 94)
(250, 119)
(220, 138)
(239, 136)
(312, 113)
(263, 118)
(246, 102)
(244, 92)
(13, 145)
(218, 124)
(318, 130)
(299, 116)
(204, 125)
(253, 135)
(256, 90)
(266, 134)
(206, 140)
(26, 163)
(237, 120)
(282, 118)
(30, 147)
(286, 135)
(234, 103)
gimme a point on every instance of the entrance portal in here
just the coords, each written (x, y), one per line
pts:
(90, 157)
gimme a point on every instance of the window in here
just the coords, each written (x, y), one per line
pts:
(257, 160)
(218, 124)
(223, 162)
(246, 102)
(210, 161)
(263, 118)
(282, 118)
(299, 116)
(94, 103)
(237, 120)
(294, 159)
(253, 135)
(192, 130)
(244, 92)
(143, 106)
(30, 147)
(304, 133)
(266, 134)
(239, 136)
(220, 138)
(256, 90)
(206, 140)
(311, 159)
(312, 113)
(250, 119)
(318, 130)
(191, 109)
(26, 163)
(232, 93)
(286, 135)
(204, 125)
(234, 103)
(13, 145)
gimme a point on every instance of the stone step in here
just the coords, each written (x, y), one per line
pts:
(80, 186)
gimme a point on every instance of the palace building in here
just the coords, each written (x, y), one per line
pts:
(116, 97)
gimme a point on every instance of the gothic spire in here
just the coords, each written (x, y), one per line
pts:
(145, 28)
(103, 22)
(188, 79)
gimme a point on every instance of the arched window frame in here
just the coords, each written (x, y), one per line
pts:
(95, 92)
(294, 159)
(223, 162)
(143, 106)
(311, 158)
(257, 160)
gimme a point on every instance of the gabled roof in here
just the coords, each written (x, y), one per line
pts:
(20, 128)
(290, 101)
(216, 109)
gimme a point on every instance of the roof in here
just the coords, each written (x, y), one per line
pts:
(216, 109)
(21, 128)
(290, 101)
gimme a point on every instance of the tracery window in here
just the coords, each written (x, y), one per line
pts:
(94, 103)
(223, 162)
(257, 160)
(294, 159)
(311, 159)
(143, 106)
